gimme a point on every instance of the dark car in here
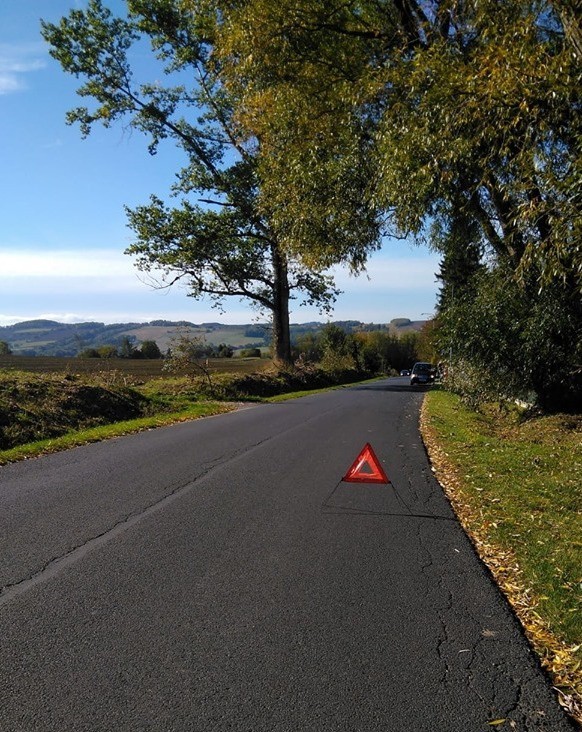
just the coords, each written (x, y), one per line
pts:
(405, 372)
(422, 373)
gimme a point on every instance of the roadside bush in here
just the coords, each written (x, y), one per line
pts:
(89, 353)
(514, 341)
(273, 382)
(150, 349)
(35, 407)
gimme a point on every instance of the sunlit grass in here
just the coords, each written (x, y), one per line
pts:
(517, 486)
(105, 432)
(42, 413)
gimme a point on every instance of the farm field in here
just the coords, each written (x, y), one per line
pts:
(212, 335)
(138, 368)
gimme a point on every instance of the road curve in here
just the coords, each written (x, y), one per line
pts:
(220, 575)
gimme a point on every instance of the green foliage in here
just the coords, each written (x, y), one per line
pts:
(308, 347)
(229, 247)
(297, 85)
(372, 351)
(384, 352)
(5, 349)
(427, 340)
(464, 119)
(340, 351)
(457, 237)
(224, 351)
(276, 381)
(127, 348)
(89, 353)
(150, 349)
(506, 341)
(461, 108)
(107, 351)
(250, 353)
(188, 355)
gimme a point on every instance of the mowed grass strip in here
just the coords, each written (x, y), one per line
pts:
(42, 413)
(108, 431)
(516, 486)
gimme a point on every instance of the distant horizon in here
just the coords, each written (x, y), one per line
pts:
(64, 227)
(176, 321)
(47, 337)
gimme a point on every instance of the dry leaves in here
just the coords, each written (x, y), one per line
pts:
(556, 656)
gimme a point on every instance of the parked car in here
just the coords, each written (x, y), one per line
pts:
(422, 373)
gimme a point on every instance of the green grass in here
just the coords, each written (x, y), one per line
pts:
(46, 412)
(521, 481)
(40, 412)
(106, 432)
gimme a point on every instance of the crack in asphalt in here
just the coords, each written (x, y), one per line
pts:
(55, 565)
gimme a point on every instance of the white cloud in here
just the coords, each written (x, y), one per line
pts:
(9, 83)
(188, 312)
(59, 317)
(104, 285)
(78, 264)
(15, 62)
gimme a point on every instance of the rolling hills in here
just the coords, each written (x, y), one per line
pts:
(51, 338)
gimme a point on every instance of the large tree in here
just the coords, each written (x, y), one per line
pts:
(219, 239)
(444, 103)
(466, 114)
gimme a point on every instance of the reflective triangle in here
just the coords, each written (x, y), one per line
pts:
(366, 468)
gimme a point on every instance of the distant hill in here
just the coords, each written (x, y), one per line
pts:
(50, 338)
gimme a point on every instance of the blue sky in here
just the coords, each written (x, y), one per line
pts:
(62, 223)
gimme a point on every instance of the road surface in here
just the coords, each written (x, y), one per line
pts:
(220, 575)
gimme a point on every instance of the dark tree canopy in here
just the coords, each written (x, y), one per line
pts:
(465, 121)
(313, 127)
(443, 105)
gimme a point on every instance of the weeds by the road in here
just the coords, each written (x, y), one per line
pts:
(116, 429)
(49, 412)
(515, 485)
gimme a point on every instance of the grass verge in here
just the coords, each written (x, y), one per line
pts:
(106, 432)
(515, 486)
(41, 413)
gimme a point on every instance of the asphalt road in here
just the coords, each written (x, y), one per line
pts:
(220, 575)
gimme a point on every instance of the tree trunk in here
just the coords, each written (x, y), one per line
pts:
(281, 334)
(568, 11)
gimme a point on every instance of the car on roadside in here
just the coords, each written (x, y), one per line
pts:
(422, 373)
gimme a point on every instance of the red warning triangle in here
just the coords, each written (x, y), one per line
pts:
(358, 474)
